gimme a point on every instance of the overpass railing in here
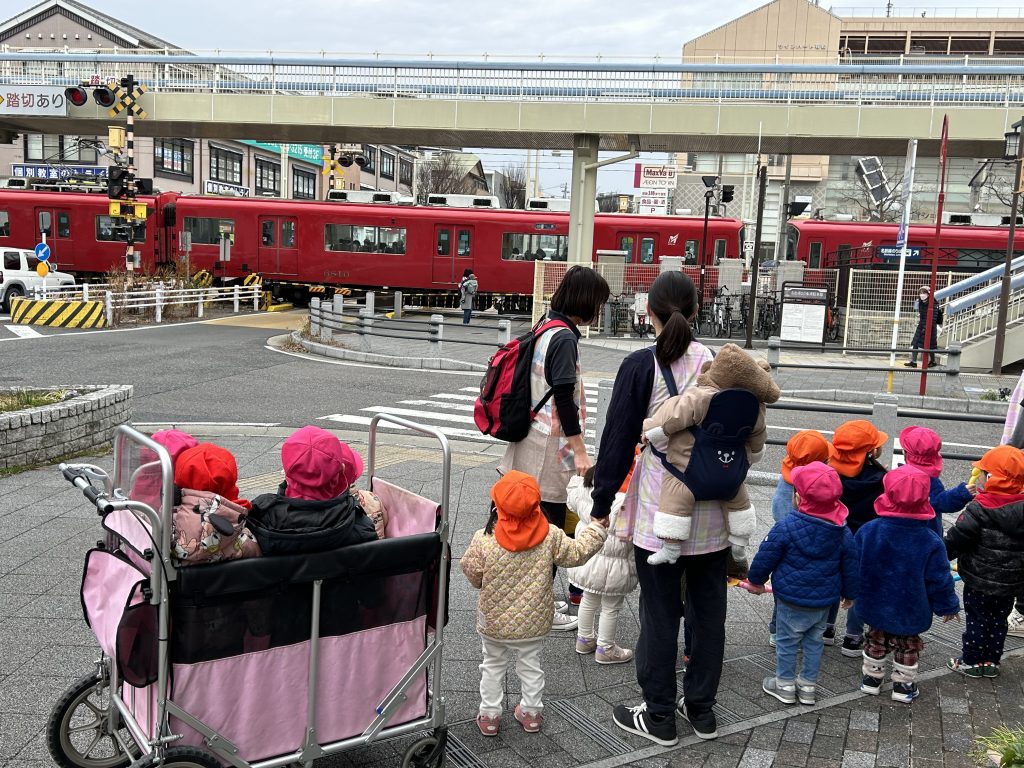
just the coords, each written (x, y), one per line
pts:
(852, 83)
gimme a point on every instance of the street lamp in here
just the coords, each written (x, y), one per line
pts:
(1012, 150)
(709, 183)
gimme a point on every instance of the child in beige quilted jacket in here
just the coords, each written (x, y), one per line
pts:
(510, 562)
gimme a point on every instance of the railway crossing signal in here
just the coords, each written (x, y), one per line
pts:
(126, 97)
(728, 192)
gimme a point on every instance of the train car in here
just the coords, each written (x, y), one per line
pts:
(832, 244)
(82, 236)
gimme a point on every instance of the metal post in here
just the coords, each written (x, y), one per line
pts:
(314, 317)
(780, 241)
(1004, 293)
(235, 297)
(774, 352)
(762, 182)
(370, 302)
(702, 258)
(604, 399)
(365, 329)
(437, 332)
(131, 259)
(257, 290)
(108, 299)
(883, 416)
(952, 377)
(399, 302)
(158, 294)
(85, 291)
(505, 331)
(202, 300)
(930, 340)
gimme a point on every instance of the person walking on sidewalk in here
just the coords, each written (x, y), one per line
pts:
(904, 581)
(510, 561)
(921, 305)
(645, 380)
(467, 293)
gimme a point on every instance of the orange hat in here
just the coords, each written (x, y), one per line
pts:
(521, 524)
(851, 443)
(1005, 467)
(804, 447)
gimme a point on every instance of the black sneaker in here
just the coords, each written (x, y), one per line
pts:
(829, 638)
(905, 692)
(871, 685)
(638, 721)
(704, 724)
(852, 647)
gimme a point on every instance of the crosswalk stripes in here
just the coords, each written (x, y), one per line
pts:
(449, 412)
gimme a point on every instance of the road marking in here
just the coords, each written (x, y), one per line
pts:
(23, 331)
(375, 366)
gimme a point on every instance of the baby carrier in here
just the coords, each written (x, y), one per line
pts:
(718, 461)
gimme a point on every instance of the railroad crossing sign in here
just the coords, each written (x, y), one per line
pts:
(42, 251)
(332, 165)
(128, 100)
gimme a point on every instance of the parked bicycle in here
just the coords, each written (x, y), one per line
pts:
(767, 317)
(721, 314)
(833, 321)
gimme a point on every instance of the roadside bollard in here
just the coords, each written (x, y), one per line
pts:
(952, 377)
(314, 317)
(235, 296)
(505, 331)
(365, 329)
(256, 291)
(85, 291)
(108, 300)
(158, 299)
(604, 400)
(201, 295)
(774, 352)
(370, 302)
(437, 334)
(883, 416)
(399, 299)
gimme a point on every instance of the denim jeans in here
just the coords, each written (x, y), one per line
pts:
(854, 625)
(799, 628)
(467, 314)
(833, 611)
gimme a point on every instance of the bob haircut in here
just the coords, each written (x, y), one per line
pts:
(581, 294)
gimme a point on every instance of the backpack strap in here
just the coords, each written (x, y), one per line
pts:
(541, 328)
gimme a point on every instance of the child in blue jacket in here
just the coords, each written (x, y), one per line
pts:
(813, 561)
(922, 449)
(904, 579)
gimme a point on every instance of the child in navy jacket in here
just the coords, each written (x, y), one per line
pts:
(904, 580)
(813, 561)
(921, 448)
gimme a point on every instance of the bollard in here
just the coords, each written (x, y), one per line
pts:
(774, 352)
(202, 300)
(365, 329)
(108, 300)
(437, 333)
(883, 416)
(256, 291)
(370, 302)
(505, 331)
(158, 298)
(952, 377)
(314, 317)
(235, 297)
(85, 291)
(398, 305)
(604, 399)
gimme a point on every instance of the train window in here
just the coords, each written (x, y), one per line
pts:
(63, 224)
(287, 234)
(5, 224)
(792, 239)
(815, 255)
(690, 252)
(626, 244)
(107, 230)
(720, 251)
(647, 250)
(444, 242)
(357, 238)
(206, 231)
(521, 247)
(267, 233)
(464, 243)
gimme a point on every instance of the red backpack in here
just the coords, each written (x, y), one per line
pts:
(504, 409)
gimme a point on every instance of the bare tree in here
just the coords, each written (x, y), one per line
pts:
(993, 181)
(854, 199)
(513, 186)
(444, 175)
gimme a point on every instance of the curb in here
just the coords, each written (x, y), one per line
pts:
(927, 402)
(355, 356)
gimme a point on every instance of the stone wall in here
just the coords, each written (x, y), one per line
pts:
(50, 432)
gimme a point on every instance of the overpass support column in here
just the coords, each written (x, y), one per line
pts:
(583, 196)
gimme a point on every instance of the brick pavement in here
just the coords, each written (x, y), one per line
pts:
(45, 528)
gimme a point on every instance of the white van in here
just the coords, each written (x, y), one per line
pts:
(18, 276)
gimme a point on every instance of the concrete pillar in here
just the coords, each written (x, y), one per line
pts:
(670, 264)
(583, 196)
(788, 272)
(314, 317)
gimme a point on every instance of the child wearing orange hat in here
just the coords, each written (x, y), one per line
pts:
(853, 453)
(988, 541)
(922, 449)
(510, 562)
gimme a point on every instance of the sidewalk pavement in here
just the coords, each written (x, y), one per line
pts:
(46, 527)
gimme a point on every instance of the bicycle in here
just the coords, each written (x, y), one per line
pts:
(722, 314)
(767, 318)
(833, 321)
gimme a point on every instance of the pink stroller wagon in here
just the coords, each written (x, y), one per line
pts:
(257, 663)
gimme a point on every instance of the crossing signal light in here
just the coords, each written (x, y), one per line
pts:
(76, 96)
(117, 183)
(345, 161)
(728, 191)
(104, 97)
(143, 186)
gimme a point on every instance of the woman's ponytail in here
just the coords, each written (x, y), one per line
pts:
(673, 300)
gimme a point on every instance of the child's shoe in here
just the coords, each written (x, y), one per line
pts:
(585, 645)
(612, 654)
(805, 693)
(829, 638)
(686, 663)
(784, 692)
(530, 723)
(905, 692)
(561, 606)
(1015, 624)
(575, 598)
(561, 622)
(853, 647)
(990, 669)
(871, 685)
(488, 725)
(968, 670)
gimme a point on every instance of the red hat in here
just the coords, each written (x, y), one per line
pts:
(317, 465)
(851, 443)
(819, 487)
(906, 494)
(175, 441)
(804, 447)
(1005, 467)
(208, 467)
(521, 524)
(921, 448)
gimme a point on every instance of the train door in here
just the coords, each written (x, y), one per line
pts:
(640, 247)
(278, 250)
(444, 255)
(55, 223)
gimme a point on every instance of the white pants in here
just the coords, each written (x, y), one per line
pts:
(497, 654)
(608, 606)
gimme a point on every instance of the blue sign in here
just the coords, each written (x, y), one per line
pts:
(892, 252)
(42, 252)
(22, 171)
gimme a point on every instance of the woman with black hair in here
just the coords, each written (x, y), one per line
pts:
(646, 379)
(553, 450)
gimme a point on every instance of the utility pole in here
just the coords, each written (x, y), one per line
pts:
(762, 187)
(1004, 293)
(780, 239)
(708, 196)
(131, 259)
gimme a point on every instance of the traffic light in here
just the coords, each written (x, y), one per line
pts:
(727, 192)
(143, 186)
(345, 161)
(76, 96)
(104, 96)
(117, 182)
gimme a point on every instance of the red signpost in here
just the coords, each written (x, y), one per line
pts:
(929, 340)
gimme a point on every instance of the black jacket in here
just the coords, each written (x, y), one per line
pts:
(286, 526)
(860, 492)
(989, 544)
(922, 313)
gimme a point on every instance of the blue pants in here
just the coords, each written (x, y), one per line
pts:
(466, 315)
(799, 628)
(854, 625)
(985, 632)
(831, 622)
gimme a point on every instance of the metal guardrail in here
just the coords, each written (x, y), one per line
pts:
(159, 298)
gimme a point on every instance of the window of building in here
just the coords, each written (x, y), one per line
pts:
(107, 228)
(225, 165)
(924, 45)
(516, 246)
(303, 185)
(208, 231)
(856, 45)
(387, 166)
(268, 177)
(40, 147)
(884, 45)
(370, 153)
(963, 46)
(5, 224)
(172, 157)
(1008, 44)
(364, 238)
(405, 171)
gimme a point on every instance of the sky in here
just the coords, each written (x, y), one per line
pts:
(453, 29)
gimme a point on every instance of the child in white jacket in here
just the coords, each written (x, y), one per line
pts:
(605, 580)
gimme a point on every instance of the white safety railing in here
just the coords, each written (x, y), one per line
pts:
(978, 82)
(159, 299)
(81, 292)
(973, 312)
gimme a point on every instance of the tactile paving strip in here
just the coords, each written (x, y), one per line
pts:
(459, 755)
(586, 725)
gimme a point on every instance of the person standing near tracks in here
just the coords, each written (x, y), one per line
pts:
(921, 305)
(467, 293)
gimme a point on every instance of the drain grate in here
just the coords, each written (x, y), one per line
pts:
(590, 727)
(460, 756)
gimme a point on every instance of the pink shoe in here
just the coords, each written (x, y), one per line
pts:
(488, 725)
(613, 654)
(530, 723)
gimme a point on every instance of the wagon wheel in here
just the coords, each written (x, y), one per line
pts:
(78, 732)
(183, 757)
(428, 752)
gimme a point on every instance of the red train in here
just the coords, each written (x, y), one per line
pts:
(345, 244)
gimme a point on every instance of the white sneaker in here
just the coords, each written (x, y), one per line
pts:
(561, 606)
(562, 623)
(1015, 624)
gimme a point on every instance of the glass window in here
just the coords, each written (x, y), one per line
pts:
(267, 233)
(647, 250)
(225, 165)
(792, 236)
(444, 242)
(516, 246)
(173, 157)
(5, 224)
(719, 250)
(364, 238)
(370, 153)
(32, 262)
(405, 171)
(268, 177)
(287, 233)
(63, 224)
(815, 255)
(207, 231)
(12, 260)
(50, 147)
(387, 165)
(464, 243)
(626, 244)
(303, 185)
(690, 252)
(107, 229)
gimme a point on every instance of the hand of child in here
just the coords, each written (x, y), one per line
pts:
(846, 603)
(954, 617)
(602, 521)
(669, 553)
(754, 589)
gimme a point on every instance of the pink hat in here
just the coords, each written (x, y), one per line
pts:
(906, 494)
(317, 465)
(175, 441)
(819, 487)
(921, 448)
